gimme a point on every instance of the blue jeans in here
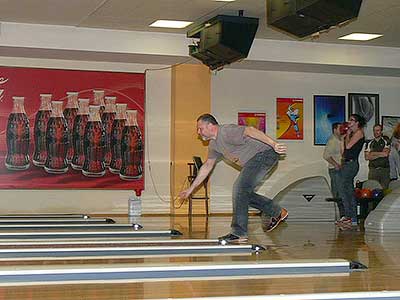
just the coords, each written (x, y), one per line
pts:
(336, 185)
(244, 195)
(349, 171)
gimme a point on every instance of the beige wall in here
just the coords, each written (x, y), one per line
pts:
(238, 90)
(229, 92)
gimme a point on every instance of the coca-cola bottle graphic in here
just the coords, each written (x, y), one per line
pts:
(17, 135)
(94, 144)
(39, 131)
(98, 99)
(116, 136)
(70, 112)
(131, 148)
(56, 140)
(107, 119)
(79, 133)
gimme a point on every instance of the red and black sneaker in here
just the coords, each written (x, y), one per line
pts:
(277, 220)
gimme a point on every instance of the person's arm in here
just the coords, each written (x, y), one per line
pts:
(262, 137)
(375, 155)
(351, 141)
(372, 155)
(202, 174)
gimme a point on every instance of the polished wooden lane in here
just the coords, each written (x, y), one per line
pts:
(289, 241)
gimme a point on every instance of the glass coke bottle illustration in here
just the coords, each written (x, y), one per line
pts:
(131, 148)
(18, 137)
(78, 133)
(98, 99)
(107, 119)
(116, 136)
(39, 131)
(70, 112)
(56, 140)
(94, 144)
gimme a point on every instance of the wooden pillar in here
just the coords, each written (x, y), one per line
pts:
(190, 97)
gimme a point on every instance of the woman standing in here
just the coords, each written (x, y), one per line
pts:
(352, 145)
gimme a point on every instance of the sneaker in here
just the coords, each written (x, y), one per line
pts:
(341, 220)
(347, 221)
(276, 221)
(232, 238)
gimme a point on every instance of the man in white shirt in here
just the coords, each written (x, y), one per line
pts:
(333, 155)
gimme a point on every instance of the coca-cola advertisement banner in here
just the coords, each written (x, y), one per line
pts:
(62, 129)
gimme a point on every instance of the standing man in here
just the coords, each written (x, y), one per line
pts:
(256, 153)
(333, 155)
(377, 153)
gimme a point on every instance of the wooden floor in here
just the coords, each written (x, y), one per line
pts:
(291, 240)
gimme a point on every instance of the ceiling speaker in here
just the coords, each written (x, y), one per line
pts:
(302, 18)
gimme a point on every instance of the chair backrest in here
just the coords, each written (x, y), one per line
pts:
(197, 164)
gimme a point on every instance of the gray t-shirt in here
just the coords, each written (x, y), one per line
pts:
(232, 144)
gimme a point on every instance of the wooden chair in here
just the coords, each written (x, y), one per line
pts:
(194, 167)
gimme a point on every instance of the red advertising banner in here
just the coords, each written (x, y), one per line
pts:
(50, 138)
(289, 118)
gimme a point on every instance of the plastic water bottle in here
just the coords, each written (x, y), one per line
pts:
(135, 205)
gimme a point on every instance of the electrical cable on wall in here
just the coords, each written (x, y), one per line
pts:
(147, 140)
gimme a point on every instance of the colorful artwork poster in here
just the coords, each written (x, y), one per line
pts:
(327, 111)
(128, 88)
(389, 123)
(253, 119)
(289, 119)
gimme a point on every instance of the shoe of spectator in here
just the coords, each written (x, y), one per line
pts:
(337, 222)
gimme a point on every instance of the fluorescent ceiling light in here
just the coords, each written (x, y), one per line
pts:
(170, 24)
(360, 37)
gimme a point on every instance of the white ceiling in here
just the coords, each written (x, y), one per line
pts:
(376, 16)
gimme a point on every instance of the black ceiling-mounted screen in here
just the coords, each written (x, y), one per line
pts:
(305, 17)
(223, 40)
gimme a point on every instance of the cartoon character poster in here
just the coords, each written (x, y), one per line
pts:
(254, 119)
(39, 140)
(289, 119)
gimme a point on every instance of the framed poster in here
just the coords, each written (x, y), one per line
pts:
(289, 118)
(254, 119)
(367, 106)
(30, 83)
(327, 111)
(389, 123)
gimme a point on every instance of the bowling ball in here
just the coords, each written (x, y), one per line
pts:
(357, 193)
(377, 193)
(366, 193)
(344, 127)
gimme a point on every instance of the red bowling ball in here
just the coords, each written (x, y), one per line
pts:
(357, 193)
(366, 193)
(344, 127)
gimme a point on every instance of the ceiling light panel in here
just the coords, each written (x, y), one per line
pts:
(170, 24)
(360, 37)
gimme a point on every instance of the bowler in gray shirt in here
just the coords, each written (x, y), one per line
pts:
(256, 154)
